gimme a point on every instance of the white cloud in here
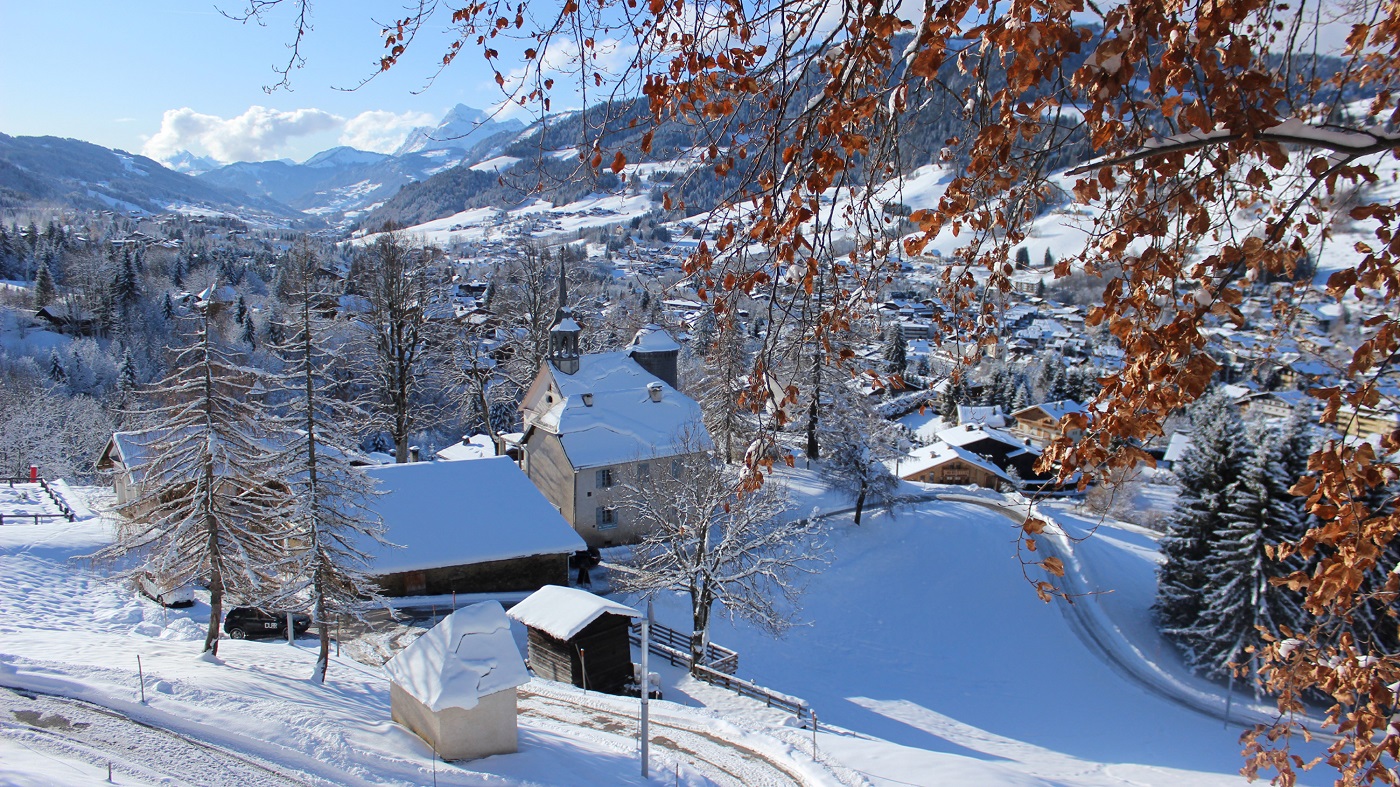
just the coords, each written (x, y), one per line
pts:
(256, 135)
(382, 131)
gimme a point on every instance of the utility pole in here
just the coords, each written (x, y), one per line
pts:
(646, 686)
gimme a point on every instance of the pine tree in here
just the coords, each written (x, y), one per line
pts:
(241, 315)
(1205, 473)
(249, 334)
(896, 350)
(1239, 598)
(210, 504)
(167, 307)
(329, 510)
(44, 291)
(56, 370)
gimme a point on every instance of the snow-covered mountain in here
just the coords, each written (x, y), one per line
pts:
(344, 156)
(342, 183)
(191, 164)
(463, 128)
(89, 176)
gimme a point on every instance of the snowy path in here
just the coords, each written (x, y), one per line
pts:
(78, 730)
(725, 760)
(1100, 636)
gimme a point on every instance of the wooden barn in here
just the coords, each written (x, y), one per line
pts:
(577, 637)
(475, 526)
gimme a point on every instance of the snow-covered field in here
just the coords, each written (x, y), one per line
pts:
(924, 653)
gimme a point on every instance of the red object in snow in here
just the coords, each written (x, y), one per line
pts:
(33, 474)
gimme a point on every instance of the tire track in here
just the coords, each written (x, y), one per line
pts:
(732, 763)
(97, 735)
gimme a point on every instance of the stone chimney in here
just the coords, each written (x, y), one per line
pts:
(654, 391)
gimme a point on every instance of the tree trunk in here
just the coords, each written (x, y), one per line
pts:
(700, 634)
(216, 610)
(323, 661)
(860, 501)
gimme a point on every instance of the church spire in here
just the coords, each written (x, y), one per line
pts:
(563, 337)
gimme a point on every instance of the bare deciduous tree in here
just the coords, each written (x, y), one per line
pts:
(705, 539)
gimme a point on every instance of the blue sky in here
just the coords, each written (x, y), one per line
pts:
(108, 72)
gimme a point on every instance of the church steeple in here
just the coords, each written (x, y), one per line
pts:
(563, 337)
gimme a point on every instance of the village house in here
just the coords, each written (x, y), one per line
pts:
(595, 422)
(475, 526)
(1040, 423)
(941, 463)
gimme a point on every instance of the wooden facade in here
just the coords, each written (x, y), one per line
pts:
(496, 576)
(598, 658)
(958, 472)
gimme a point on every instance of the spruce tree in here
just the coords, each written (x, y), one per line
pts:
(896, 350)
(44, 291)
(56, 370)
(1206, 473)
(1239, 597)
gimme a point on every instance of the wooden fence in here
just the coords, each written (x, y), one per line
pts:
(65, 512)
(674, 646)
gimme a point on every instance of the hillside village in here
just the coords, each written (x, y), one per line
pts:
(1017, 410)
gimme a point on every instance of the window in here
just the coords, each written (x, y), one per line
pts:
(607, 517)
(643, 471)
(676, 468)
(604, 478)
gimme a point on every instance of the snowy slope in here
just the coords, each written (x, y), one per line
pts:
(926, 656)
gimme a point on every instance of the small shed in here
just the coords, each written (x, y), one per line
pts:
(577, 637)
(455, 685)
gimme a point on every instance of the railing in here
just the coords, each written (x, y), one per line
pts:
(717, 657)
(65, 511)
(674, 646)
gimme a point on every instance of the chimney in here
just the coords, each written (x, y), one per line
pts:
(654, 390)
(413, 453)
(587, 400)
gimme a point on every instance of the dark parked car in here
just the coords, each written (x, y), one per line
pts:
(241, 622)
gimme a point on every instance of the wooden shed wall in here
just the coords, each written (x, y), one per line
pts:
(496, 576)
(606, 653)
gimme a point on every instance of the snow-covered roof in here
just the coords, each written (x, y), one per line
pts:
(563, 612)
(622, 424)
(1177, 447)
(652, 338)
(966, 434)
(478, 446)
(454, 513)
(1055, 410)
(938, 454)
(469, 655)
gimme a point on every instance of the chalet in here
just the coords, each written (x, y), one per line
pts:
(1040, 423)
(466, 527)
(1014, 457)
(70, 318)
(594, 422)
(455, 685)
(577, 637)
(941, 463)
(1274, 404)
